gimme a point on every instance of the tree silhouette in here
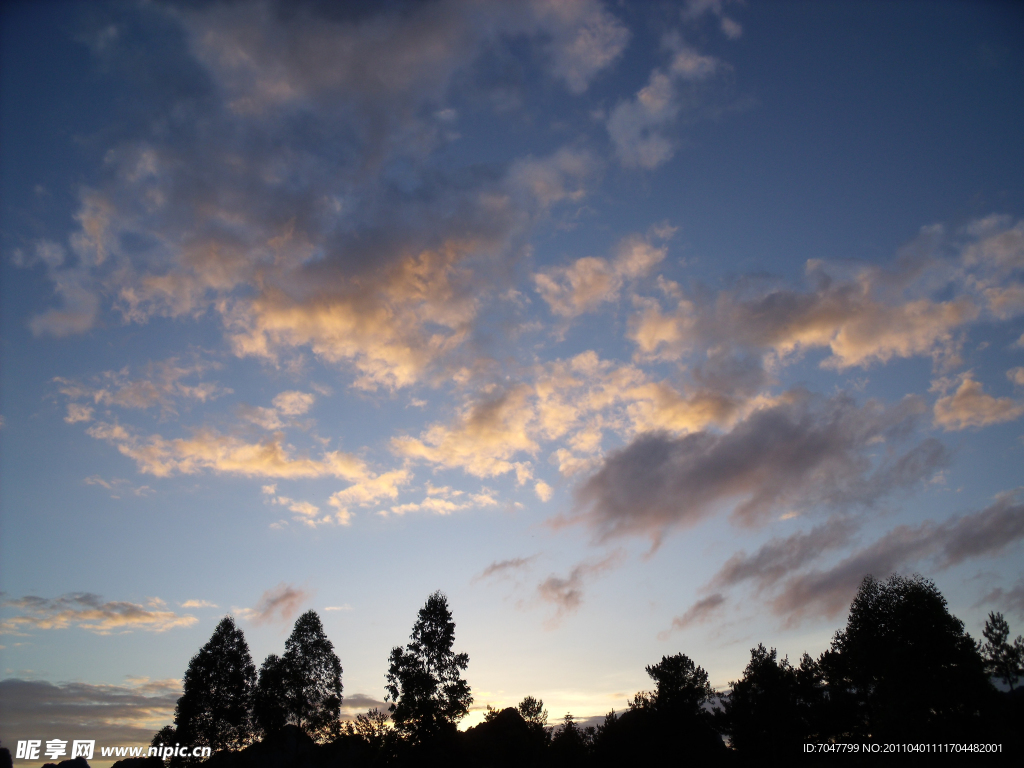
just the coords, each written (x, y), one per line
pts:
(571, 745)
(681, 687)
(270, 707)
(903, 668)
(216, 702)
(1002, 658)
(665, 723)
(312, 676)
(424, 684)
(770, 709)
(533, 712)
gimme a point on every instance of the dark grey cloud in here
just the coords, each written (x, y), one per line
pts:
(989, 532)
(110, 714)
(697, 613)
(779, 557)
(804, 452)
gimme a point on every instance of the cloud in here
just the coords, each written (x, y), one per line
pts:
(502, 568)
(359, 703)
(363, 250)
(636, 127)
(77, 413)
(161, 383)
(697, 613)
(444, 501)
(368, 490)
(89, 612)
(584, 39)
(198, 604)
(117, 486)
(303, 511)
(1010, 600)
(294, 403)
(779, 557)
(695, 9)
(590, 281)
(566, 593)
(985, 533)
(482, 441)
(863, 315)
(801, 453)
(543, 490)
(573, 402)
(279, 604)
(208, 450)
(969, 406)
(110, 714)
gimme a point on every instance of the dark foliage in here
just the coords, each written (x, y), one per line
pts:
(216, 702)
(424, 682)
(665, 723)
(1003, 660)
(772, 710)
(904, 668)
(312, 674)
(506, 739)
(270, 708)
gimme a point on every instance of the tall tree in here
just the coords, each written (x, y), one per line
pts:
(216, 702)
(1002, 658)
(270, 705)
(424, 682)
(903, 668)
(312, 674)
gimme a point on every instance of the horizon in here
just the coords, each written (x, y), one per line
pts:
(635, 329)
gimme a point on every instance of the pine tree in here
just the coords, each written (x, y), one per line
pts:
(312, 675)
(1003, 659)
(427, 693)
(216, 703)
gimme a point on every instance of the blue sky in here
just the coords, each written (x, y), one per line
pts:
(636, 328)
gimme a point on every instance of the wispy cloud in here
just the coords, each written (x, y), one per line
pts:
(198, 604)
(1011, 599)
(697, 613)
(89, 612)
(565, 593)
(277, 605)
(988, 532)
(504, 568)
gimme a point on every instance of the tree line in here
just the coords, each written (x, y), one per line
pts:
(902, 670)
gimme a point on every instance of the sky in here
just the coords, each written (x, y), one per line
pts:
(636, 328)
